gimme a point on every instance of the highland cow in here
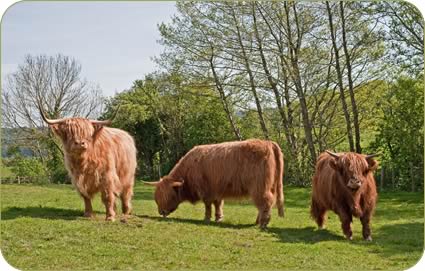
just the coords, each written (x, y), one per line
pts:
(98, 159)
(211, 173)
(344, 183)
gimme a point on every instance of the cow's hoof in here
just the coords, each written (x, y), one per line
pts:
(350, 238)
(207, 220)
(89, 215)
(219, 219)
(124, 219)
(263, 226)
(110, 218)
(369, 238)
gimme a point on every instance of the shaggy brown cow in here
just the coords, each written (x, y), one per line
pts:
(228, 170)
(98, 158)
(344, 183)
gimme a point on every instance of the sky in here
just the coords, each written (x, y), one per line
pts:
(113, 41)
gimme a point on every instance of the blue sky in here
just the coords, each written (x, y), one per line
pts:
(113, 41)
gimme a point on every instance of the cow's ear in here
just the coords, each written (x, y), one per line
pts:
(334, 164)
(55, 129)
(178, 183)
(97, 129)
(373, 164)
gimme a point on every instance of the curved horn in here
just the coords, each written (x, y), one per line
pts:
(371, 155)
(335, 155)
(48, 121)
(109, 121)
(101, 122)
(151, 183)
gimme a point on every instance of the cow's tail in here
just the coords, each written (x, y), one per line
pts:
(279, 179)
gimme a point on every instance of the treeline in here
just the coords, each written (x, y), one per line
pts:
(311, 76)
(344, 76)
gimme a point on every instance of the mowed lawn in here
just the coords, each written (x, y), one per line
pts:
(42, 228)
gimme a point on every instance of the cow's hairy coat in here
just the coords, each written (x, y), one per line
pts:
(346, 185)
(211, 173)
(99, 159)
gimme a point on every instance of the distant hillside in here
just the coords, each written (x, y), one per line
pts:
(9, 138)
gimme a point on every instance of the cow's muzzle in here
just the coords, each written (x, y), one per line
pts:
(354, 184)
(163, 213)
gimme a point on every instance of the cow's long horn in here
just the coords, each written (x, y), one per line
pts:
(371, 155)
(109, 121)
(101, 122)
(48, 121)
(151, 183)
(332, 154)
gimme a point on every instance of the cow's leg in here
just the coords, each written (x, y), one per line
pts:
(108, 198)
(218, 205)
(126, 196)
(318, 212)
(207, 211)
(365, 219)
(346, 219)
(264, 205)
(88, 209)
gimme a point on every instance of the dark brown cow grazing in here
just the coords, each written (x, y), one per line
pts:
(228, 170)
(344, 183)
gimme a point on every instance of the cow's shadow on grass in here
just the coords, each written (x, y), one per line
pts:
(396, 239)
(41, 212)
(197, 222)
(306, 235)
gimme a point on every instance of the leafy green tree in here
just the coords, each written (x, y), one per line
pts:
(167, 117)
(28, 167)
(400, 137)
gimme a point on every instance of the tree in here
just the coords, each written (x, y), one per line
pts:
(404, 32)
(289, 71)
(400, 137)
(167, 117)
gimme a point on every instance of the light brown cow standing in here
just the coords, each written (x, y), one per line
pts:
(214, 172)
(98, 159)
(344, 183)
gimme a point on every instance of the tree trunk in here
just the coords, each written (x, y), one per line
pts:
(340, 82)
(223, 99)
(295, 73)
(350, 81)
(251, 78)
(273, 84)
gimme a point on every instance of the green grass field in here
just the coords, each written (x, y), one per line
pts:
(42, 228)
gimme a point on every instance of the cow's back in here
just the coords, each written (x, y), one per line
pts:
(122, 151)
(232, 169)
(325, 184)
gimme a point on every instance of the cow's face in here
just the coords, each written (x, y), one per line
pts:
(354, 169)
(167, 195)
(76, 134)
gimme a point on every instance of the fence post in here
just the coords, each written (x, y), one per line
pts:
(392, 177)
(412, 177)
(19, 180)
(382, 178)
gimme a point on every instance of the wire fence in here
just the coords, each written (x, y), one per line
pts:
(390, 177)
